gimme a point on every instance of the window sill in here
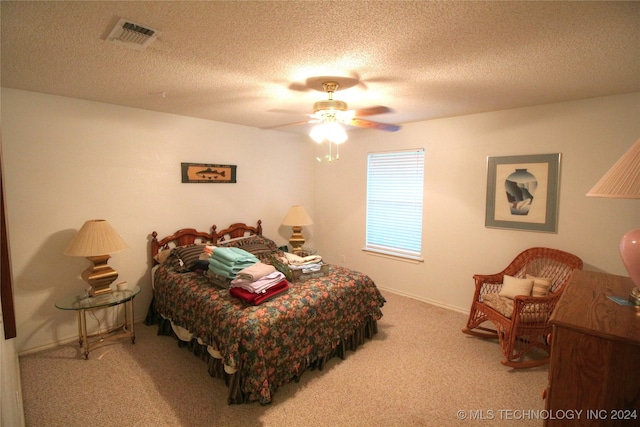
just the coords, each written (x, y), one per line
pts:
(397, 257)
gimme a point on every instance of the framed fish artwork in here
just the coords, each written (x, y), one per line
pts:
(208, 173)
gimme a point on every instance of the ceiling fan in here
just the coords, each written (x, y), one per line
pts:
(335, 111)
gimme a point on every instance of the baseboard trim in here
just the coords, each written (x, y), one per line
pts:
(63, 341)
(426, 300)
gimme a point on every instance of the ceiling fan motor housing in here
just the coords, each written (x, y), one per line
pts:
(330, 105)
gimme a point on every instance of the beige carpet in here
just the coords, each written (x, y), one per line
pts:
(419, 370)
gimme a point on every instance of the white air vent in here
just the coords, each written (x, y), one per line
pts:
(132, 35)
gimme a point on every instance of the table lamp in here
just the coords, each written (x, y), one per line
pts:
(622, 181)
(297, 217)
(95, 241)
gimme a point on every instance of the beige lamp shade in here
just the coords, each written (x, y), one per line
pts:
(622, 181)
(96, 240)
(96, 237)
(297, 215)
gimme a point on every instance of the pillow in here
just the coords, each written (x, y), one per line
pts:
(541, 286)
(189, 254)
(200, 265)
(512, 286)
(233, 239)
(162, 256)
(259, 246)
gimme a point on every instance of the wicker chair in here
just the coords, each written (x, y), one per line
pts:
(528, 327)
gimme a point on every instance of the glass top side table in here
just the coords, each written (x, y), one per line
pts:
(81, 304)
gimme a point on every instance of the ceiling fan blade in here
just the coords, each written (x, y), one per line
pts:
(372, 111)
(287, 125)
(372, 125)
(299, 87)
(283, 111)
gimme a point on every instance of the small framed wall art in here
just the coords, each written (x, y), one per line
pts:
(522, 192)
(208, 173)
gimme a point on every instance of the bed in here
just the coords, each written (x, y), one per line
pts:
(257, 348)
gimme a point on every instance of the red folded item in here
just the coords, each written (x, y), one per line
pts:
(255, 299)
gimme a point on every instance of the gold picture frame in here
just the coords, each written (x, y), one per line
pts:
(208, 173)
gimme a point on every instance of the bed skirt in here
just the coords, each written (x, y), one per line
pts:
(234, 381)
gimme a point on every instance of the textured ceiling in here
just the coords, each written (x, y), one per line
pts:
(246, 62)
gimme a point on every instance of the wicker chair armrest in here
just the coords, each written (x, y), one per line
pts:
(523, 300)
(486, 284)
(528, 309)
(481, 279)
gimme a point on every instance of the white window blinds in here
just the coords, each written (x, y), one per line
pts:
(395, 182)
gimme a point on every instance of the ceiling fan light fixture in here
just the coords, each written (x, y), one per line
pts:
(335, 133)
(317, 133)
(328, 131)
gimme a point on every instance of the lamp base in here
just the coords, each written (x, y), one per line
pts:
(296, 240)
(630, 254)
(99, 275)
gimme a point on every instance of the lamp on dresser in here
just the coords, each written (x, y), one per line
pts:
(296, 218)
(622, 181)
(95, 241)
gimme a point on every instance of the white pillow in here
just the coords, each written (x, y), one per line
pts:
(512, 286)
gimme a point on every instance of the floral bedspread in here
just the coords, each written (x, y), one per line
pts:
(272, 343)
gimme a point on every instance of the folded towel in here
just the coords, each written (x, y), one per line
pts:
(206, 253)
(255, 299)
(256, 271)
(233, 255)
(259, 285)
(307, 268)
(226, 270)
(293, 259)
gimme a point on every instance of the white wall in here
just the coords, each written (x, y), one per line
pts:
(68, 160)
(590, 135)
(11, 405)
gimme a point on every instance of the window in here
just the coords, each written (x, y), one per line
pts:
(395, 182)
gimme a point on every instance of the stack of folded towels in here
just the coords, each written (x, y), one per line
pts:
(251, 280)
(306, 264)
(258, 283)
(228, 262)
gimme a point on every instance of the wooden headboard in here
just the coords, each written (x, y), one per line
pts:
(188, 236)
(239, 229)
(183, 237)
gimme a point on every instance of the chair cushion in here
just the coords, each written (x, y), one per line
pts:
(512, 286)
(502, 305)
(541, 286)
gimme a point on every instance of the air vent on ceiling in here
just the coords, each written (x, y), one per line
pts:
(130, 34)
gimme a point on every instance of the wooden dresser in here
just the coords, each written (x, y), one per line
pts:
(595, 354)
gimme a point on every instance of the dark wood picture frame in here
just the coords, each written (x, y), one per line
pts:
(208, 173)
